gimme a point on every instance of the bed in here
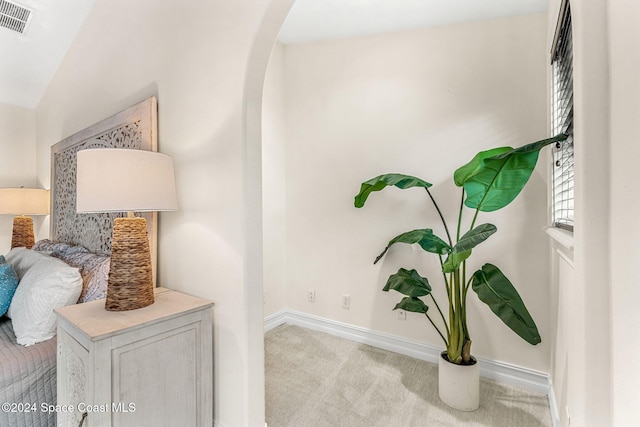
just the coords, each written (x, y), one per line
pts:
(51, 275)
(78, 250)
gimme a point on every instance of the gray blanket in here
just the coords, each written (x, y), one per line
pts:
(27, 380)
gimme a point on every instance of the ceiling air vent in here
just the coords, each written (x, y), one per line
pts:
(13, 16)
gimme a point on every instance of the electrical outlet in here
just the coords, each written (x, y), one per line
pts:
(311, 295)
(402, 315)
(346, 301)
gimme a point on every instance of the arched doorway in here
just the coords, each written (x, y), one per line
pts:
(257, 64)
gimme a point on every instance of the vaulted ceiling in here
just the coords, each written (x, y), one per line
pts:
(30, 59)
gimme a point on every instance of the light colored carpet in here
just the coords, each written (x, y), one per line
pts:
(319, 380)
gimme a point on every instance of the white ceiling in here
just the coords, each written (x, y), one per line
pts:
(29, 60)
(313, 20)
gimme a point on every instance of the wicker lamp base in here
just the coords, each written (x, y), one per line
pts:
(130, 276)
(22, 232)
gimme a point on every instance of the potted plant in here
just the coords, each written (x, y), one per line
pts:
(490, 181)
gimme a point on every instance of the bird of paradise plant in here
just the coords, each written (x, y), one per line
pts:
(490, 181)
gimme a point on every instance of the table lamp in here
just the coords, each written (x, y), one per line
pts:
(126, 180)
(23, 202)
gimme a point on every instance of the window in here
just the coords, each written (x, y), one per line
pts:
(562, 120)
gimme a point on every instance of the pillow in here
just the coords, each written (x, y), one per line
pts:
(8, 285)
(94, 270)
(46, 283)
(57, 248)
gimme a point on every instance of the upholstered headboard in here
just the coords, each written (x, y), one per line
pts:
(134, 128)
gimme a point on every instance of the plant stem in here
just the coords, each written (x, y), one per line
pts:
(446, 229)
(456, 338)
(463, 293)
(451, 300)
(475, 216)
(466, 352)
(466, 343)
(444, 275)
(466, 288)
(460, 215)
(452, 317)
(437, 329)
(441, 315)
(458, 294)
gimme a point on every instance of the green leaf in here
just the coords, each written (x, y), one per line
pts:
(424, 237)
(473, 238)
(462, 249)
(492, 182)
(415, 305)
(465, 172)
(495, 290)
(408, 282)
(454, 260)
(382, 181)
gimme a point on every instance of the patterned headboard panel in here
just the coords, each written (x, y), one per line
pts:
(134, 128)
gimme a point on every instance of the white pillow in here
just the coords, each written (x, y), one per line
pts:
(46, 283)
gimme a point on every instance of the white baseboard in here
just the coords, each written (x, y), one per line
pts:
(516, 376)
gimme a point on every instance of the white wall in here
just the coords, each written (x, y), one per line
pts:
(599, 379)
(591, 384)
(422, 103)
(624, 39)
(274, 184)
(198, 58)
(17, 168)
(564, 373)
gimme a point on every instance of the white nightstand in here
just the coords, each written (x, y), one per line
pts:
(147, 367)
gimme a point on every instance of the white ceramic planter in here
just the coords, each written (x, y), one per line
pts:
(459, 385)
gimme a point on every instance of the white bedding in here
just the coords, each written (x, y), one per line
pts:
(28, 373)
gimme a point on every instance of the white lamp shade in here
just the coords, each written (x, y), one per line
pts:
(122, 180)
(24, 201)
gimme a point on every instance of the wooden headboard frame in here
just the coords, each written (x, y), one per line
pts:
(134, 128)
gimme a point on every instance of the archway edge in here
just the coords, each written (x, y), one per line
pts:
(266, 36)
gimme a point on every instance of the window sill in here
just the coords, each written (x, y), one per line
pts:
(560, 236)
